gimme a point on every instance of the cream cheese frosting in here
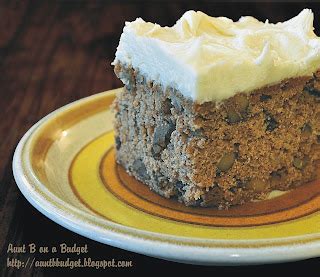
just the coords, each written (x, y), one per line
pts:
(213, 58)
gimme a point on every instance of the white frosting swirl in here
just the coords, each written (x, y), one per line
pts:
(211, 59)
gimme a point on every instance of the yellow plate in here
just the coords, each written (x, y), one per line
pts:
(65, 167)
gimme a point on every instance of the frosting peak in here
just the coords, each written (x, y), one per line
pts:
(213, 58)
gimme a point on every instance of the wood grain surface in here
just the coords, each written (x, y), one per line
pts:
(55, 52)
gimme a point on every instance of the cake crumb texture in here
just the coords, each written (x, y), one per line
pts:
(214, 155)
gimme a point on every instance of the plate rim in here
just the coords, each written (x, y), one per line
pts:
(150, 243)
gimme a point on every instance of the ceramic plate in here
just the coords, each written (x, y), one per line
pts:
(65, 166)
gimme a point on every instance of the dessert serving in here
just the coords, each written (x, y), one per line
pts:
(218, 113)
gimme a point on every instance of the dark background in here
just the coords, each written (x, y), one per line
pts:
(55, 52)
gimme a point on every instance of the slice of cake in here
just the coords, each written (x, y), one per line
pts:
(218, 113)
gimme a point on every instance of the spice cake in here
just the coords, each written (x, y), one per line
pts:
(218, 113)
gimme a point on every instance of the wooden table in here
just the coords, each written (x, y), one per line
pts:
(52, 53)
